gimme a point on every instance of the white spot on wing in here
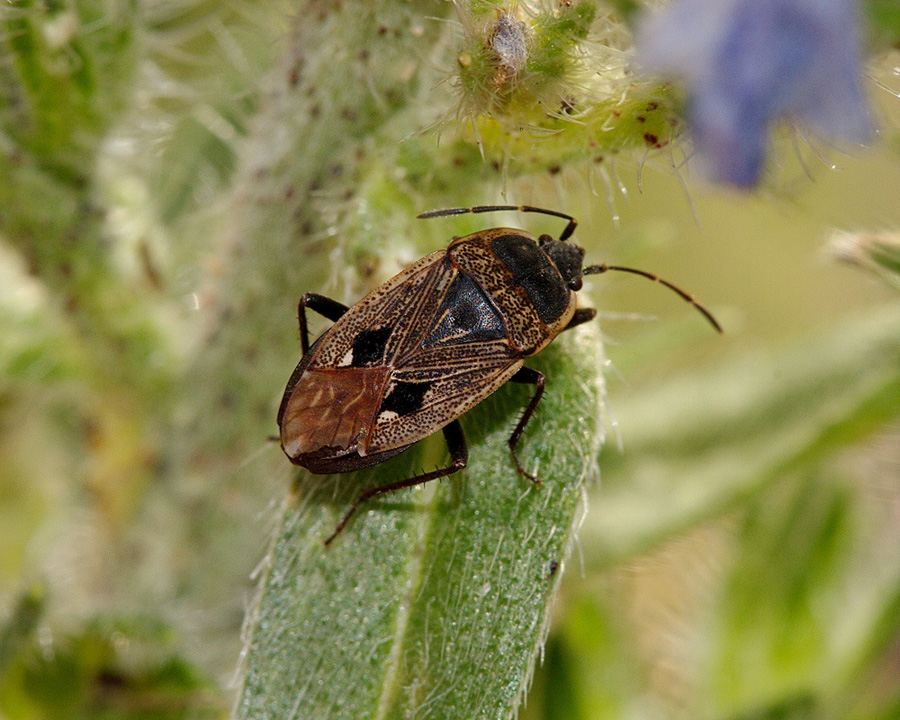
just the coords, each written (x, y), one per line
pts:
(347, 360)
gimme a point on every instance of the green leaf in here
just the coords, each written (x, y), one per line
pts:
(590, 672)
(704, 443)
(429, 608)
(877, 252)
(19, 628)
(884, 20)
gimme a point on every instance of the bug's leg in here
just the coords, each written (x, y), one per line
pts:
(582, 315)
(565, 235)
(326, 307)
(531, 377)
(459, 458)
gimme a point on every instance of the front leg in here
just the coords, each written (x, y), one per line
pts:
(325, 306)
(531, 377)
(582, 315)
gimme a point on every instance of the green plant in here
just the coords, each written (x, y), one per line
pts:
(175, 175)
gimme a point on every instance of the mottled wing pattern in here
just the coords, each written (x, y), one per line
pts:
(407, 359)
(390, 320)
(339, 392)
(463, 355)
(434, 386)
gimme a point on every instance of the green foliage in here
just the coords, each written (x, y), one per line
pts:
(724, 437)
(538, 100)
(174, 175)
(460, 583)
(884, 15)
(804, 607)
(118, 669)
(65, 83)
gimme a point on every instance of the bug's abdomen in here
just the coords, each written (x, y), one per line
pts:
(332, 408)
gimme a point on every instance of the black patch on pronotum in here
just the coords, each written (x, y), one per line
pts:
(534, 273)
(368, 347)
(405, 399)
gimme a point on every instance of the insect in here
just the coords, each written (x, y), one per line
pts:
(428, 345)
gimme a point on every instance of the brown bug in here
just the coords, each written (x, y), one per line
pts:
(421, 350)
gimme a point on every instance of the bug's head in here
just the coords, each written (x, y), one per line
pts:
(567, 257)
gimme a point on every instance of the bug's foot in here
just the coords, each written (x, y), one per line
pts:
(535, 479)
(524, 473)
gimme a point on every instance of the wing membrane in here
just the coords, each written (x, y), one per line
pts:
(332, 409)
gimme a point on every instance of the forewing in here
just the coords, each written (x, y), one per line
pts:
(442, 342)
(389, 321)
(332, 409)
(436, 385)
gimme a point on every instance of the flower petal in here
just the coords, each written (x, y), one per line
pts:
(748, 63)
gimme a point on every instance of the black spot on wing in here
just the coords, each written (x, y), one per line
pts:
(405, 398)
(466, 315)
(368, 347)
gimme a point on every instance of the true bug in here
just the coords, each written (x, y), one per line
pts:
(416, 353)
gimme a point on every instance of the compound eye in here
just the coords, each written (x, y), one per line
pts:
(576, 284)
(544, 239)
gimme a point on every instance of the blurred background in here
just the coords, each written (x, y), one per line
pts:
(738, 558)
(775, 597)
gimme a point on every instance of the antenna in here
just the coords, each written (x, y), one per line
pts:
(599, 269)
(565, 235)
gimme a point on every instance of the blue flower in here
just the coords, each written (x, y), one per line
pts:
(748, 63)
